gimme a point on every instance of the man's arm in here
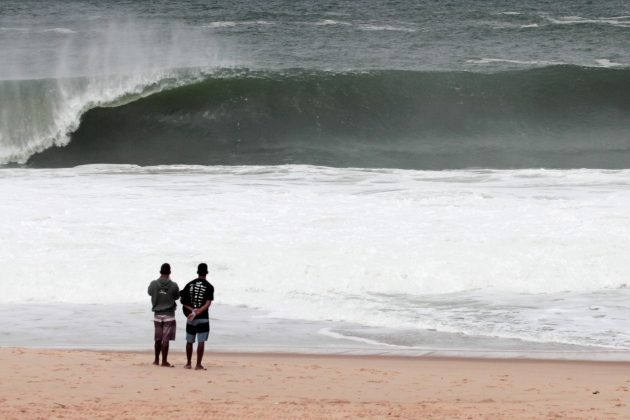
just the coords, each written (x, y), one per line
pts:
(150, 289)
(194, 311)
(184, 297)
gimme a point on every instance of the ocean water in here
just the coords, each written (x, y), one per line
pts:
(408, 177)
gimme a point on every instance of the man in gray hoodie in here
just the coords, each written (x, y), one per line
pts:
(164, 292)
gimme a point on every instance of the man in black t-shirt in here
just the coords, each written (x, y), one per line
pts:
(196, 298)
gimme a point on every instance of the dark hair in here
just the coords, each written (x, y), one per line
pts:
(202, 269)
(165, 269)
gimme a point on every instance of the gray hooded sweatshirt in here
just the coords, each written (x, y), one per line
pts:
(164, 293)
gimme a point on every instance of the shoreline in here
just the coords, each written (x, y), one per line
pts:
(123, 384)
(129, 327)
(596, 356)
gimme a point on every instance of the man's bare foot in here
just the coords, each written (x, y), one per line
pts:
(187, 366)
(166, 364)
(200, 367)
(156, 362)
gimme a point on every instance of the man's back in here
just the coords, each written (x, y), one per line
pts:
(196, 293)
(164, 292)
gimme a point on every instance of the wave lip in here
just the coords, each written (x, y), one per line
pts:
(44, 113)
(43, 96)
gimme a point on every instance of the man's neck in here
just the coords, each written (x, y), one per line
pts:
(164, 276)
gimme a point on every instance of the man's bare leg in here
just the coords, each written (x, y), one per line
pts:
(200, 349)
(189, 349)
(158, 350)
(165, 354)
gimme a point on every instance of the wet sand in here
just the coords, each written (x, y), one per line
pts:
(80, 384)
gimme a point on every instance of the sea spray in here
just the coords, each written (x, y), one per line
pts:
(118, 61)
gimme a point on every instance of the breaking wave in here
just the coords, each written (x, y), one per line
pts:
(556, 116)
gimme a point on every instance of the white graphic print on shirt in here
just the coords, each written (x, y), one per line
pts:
(197, 292)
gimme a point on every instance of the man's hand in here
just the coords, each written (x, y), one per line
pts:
(192, 315)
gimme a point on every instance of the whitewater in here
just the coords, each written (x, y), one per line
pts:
(535, 256)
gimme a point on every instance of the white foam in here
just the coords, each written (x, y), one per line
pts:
(66, 31)
(221, 24)
(604, 62)
(486, 60)
(386, 28)
(476, 252)
(332, 22)
(329, 333)
(621, 21)
(231, 24)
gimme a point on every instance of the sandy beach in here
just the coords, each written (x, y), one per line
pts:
(80, 384)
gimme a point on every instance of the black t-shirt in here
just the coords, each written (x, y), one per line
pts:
(195, 294)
